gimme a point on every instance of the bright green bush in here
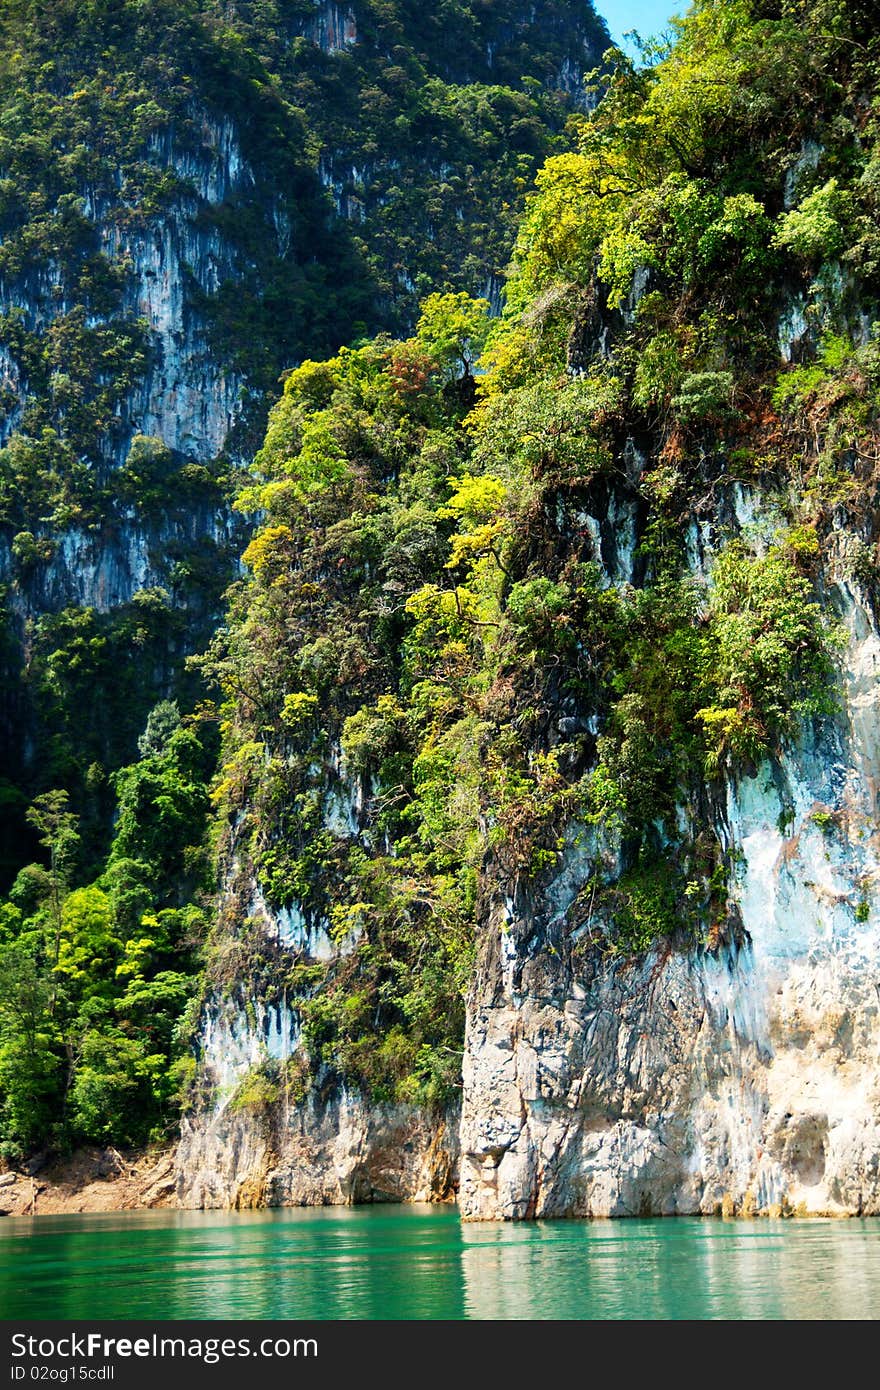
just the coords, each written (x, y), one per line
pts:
(815, 229)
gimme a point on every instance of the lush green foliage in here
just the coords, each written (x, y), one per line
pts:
(106, 125)
(96, 978)
(445, 666)
(411, 639)
(354, 481)
(465, 691)
(115, 118)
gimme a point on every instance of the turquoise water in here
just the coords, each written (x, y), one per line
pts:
(423, 1262)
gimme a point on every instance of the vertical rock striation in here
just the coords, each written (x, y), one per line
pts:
(285, 1146)
(740, 1079)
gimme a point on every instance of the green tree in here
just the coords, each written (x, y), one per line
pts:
(57, 829)
(31, 1070)
(114, 1092)
(453, 328)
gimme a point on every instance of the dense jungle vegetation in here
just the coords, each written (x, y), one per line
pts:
(497, 606)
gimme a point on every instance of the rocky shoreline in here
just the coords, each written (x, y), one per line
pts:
(91, 1180)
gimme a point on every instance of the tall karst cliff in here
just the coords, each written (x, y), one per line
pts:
(541, 863)
(552, 746)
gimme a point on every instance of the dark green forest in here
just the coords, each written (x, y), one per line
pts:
(429, 131)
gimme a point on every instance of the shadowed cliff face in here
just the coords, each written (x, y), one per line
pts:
(123, 526)
(247, 1146)
(168, 246)
(546, 813)
(739, 1078)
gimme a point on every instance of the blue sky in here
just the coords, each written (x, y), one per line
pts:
(647, 16)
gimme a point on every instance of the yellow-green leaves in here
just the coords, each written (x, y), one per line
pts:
(446, 609)
(474, 499)
(477, 503)
(623, 251)
(452, 329)
(577, 200)
(553, 428)
(88, 944)
(311, 456)
(372, 733)
(814, 230)
(478, 541)
(269, 552)
(298, 710)
(238, 775)
(732, 735)
(766, 650)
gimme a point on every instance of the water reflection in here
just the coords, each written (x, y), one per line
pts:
(327, 1263)
(411, 1262)
(673, 1269)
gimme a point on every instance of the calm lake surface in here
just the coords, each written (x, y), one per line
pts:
(423, 1262)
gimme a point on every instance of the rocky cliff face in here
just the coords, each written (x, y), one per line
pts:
(740, 1079)
(187, 398)
(174, 247)
(739, 1076)
(332, 27)
(260, 1131)
(103, 568)
(244, 1147)
(182, 258)
(439, 624)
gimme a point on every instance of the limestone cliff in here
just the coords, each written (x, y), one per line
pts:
(179, 190)
(187, 398)
(544, 831)
(289, 1146)
(740, 1078)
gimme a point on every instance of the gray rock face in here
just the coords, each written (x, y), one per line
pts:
(241, 1152)
(104, 569)
(258, 1135)
(335, 1154)
(332, 27)
(743, 1080)
(187, 398)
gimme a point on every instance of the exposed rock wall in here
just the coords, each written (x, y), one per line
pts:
(187, 397)
(739, 1076)
(740, 1080)
(103, 568)
(333, 1149)
(332, 27)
